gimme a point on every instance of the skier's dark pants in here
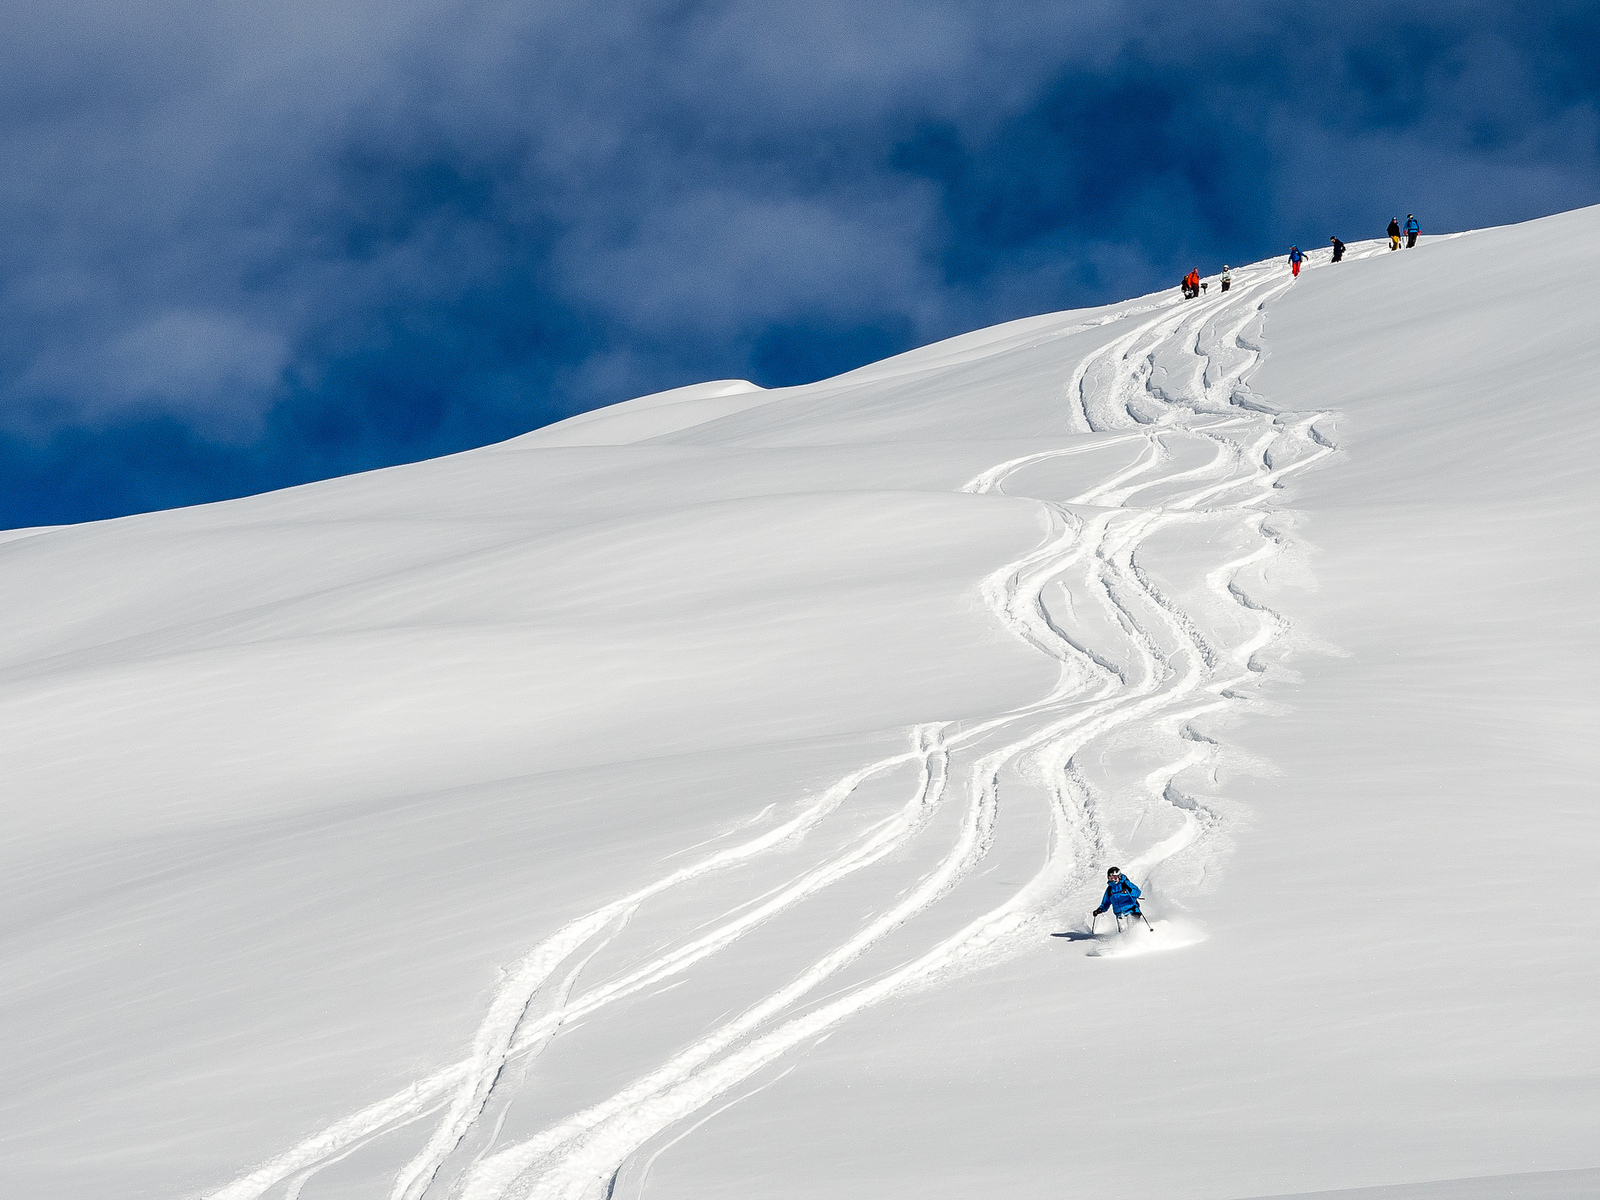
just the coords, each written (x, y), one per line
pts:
(1411, 240)
(1337, 255)
(1225, 284)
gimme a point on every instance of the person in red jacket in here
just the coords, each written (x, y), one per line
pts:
(1191, 284)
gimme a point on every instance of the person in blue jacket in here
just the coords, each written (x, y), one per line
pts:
(1412, 229)
(1296, 255)
(1122, 896)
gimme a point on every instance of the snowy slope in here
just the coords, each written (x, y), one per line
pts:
(704, 797)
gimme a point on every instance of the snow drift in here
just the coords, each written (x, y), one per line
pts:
(690, 799)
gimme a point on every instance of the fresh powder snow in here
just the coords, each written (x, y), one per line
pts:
(706, 796)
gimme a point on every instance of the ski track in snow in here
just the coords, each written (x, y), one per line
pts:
(1134, 659)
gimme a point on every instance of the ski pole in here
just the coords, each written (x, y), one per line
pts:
(1093, 917)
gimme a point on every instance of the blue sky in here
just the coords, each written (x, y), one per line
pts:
(246, 249)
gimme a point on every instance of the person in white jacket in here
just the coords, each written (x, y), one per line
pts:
(1227, 277)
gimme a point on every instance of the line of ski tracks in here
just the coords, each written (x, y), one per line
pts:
(1135, 655)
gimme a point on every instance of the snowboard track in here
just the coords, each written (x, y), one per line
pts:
(1143, 659)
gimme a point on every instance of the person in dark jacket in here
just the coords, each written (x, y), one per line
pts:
(1338, 249)
(1412, 229)
(1122, 896)
(1394, 233)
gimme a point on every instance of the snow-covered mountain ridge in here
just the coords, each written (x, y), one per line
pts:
(687, 799)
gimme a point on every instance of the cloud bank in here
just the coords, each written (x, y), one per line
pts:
(250, 248)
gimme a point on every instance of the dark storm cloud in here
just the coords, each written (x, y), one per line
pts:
(248, 248)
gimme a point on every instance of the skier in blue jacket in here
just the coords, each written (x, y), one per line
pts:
(1296, 256)
(1122, 896)
(1412, 229)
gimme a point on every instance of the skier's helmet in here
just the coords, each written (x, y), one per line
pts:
(1112, 872)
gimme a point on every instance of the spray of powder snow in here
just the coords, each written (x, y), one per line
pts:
(1167, 935)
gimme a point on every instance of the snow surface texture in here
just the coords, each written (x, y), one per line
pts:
(705, 796)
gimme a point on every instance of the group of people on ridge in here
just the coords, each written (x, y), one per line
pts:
(1193, 285)
(1411, 231)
